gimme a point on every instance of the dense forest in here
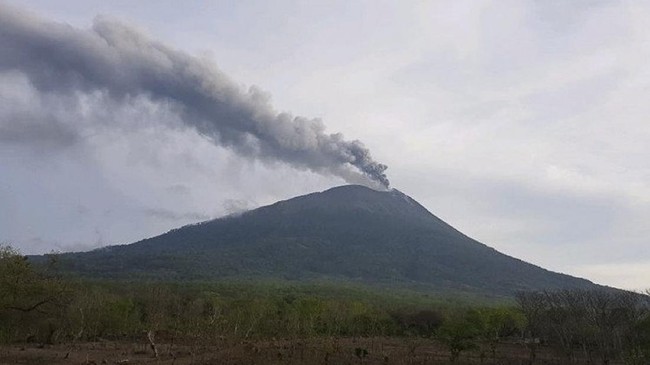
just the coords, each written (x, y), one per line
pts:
(39, 307)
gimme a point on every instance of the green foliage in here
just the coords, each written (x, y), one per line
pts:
(204, 312)
(502, 322)
(461, 331)
(36, 305)
(95, 313)
(31, 302)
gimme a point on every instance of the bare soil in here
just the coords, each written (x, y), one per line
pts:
(326, 351)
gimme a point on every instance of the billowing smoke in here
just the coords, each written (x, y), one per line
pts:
(123, 63)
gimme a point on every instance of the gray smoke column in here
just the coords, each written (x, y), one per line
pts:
(123, 63)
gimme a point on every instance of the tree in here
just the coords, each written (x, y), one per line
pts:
(28, 295)
(533, 306)
(460, 332)
(21, 287)
(500, 323)
(422, 323)
(606, 322)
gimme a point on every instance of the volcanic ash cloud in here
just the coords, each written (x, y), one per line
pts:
(123, 64)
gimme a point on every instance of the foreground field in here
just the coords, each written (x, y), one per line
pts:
(310, 351)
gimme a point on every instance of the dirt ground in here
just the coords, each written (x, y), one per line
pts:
(313, 351)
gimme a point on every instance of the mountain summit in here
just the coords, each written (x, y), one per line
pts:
(345, 233)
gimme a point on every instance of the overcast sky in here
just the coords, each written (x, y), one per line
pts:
(521, 123)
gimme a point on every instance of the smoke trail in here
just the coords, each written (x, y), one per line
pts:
(124, 63)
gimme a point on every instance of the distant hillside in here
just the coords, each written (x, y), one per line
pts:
(345, 233)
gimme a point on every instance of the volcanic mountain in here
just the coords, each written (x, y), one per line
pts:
(349, 233)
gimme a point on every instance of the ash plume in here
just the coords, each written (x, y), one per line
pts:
(123, 63)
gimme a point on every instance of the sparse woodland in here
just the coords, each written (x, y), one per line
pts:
(282, 323)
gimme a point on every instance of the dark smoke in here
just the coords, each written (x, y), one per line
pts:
(123, 63)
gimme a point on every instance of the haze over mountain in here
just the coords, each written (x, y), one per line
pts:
(345, 233)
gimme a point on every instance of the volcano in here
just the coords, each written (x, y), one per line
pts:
(348, 233)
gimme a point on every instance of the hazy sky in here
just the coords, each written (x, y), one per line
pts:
(521, 123)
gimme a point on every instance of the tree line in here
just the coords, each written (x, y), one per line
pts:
(39, 306)
(604, 324)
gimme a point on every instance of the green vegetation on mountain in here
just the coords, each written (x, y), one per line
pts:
(349, 233)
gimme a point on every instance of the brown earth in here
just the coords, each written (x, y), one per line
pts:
(324, 351)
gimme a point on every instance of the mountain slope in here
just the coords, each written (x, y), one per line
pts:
(349, 232)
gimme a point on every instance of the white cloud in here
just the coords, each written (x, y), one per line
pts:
(627, 275)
